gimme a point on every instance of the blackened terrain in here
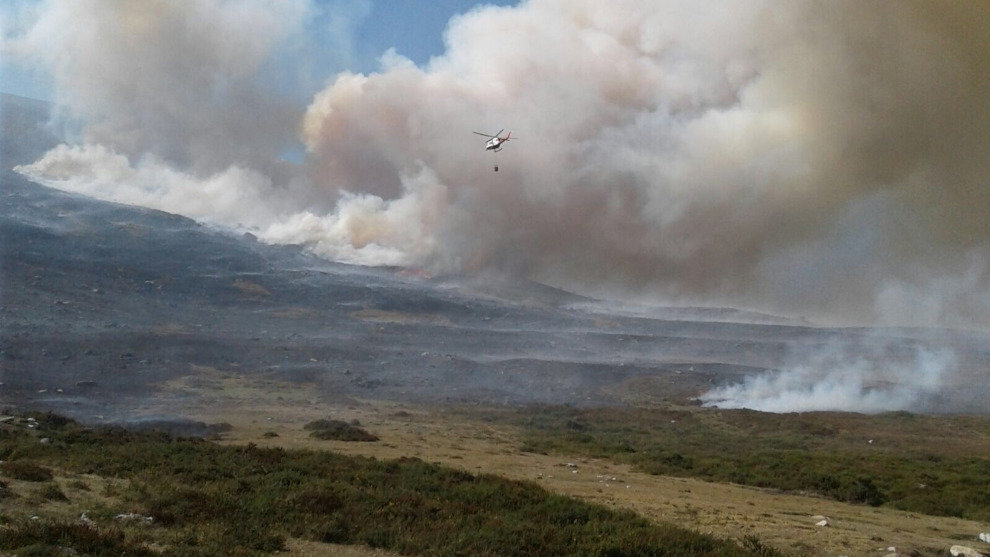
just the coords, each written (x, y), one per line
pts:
(102, 303)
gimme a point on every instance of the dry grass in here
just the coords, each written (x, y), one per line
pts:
(196, 497)
(469, 442)
(781, 520)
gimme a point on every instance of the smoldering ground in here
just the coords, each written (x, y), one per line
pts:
(115, 313)
(820, 159)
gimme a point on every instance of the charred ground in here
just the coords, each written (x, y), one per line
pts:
(102, 303)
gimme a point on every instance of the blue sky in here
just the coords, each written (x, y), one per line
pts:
(414, 28)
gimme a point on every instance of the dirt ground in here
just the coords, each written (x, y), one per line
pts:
(787, 522)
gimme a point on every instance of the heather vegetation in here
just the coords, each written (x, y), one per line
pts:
(204, 498)
(935, 465)
(338, 430)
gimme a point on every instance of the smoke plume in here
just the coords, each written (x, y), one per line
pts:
(830, 159)
(833, 379)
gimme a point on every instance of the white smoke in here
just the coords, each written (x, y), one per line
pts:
(825, 159)
(236, 196)
(367, 229)
(833, 380)
(179, 79)
(362, 228)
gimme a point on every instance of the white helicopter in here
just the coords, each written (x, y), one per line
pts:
(495, 142)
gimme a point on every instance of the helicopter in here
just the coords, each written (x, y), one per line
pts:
(495, 142)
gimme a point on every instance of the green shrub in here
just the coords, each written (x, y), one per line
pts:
(338, 430)
(209, 499)
(25, 471)
(43, 537)
(823, 453)
(6, 492)
(51, 492)
(864, 491)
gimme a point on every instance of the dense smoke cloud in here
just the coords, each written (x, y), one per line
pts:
(177, 79)
(824, 158)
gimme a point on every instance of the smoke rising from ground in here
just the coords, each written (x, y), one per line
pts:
(833, 379)
(829, 159)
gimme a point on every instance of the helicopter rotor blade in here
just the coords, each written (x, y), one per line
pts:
(484, 134)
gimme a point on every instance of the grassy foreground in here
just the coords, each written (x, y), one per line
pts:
(208, 499)
(935, 465)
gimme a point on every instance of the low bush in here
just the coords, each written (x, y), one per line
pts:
(5, 491)
(51, 492)
(25, 471)
(338, 430)
(45, 537)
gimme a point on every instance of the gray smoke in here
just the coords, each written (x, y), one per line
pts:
(829, 159)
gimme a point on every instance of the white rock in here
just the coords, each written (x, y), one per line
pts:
(984, 537)
(963, 551)
(135, 517)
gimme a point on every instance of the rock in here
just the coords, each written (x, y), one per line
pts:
(963, 551)
(127, 517)
(984, 537)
